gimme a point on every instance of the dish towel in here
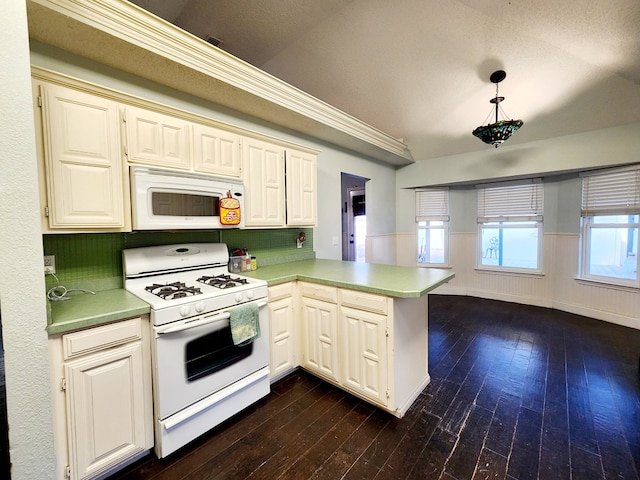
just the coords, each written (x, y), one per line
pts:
(244, 323)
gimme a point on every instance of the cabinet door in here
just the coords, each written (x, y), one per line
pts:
(263, 175)
(320, 323)
(108, 419)
(157, 139)
(215, 151)
(364, 353)
(281, 322)
(82, 160)
(301, 189)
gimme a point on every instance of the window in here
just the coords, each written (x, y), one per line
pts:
(432, 221)
(610, 224)
(510, 226)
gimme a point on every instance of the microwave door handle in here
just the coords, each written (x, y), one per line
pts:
(194, 323)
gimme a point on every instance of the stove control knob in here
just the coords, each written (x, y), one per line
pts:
(200, 307)
(185, 310)
(249, 294)
(238, 297)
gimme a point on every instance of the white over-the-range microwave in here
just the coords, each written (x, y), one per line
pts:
(163, 199)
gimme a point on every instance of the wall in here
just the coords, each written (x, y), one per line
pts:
(606, 147)
(558, 286)
(332, 161)
(22, 281)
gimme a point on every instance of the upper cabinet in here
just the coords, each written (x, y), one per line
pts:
(263, 176)
(89, 135)
(163, 140)
(280, 185)
(215, 151)
(157, 139)
(84, 179)
(301, 188)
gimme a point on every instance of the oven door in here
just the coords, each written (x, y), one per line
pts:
(196, 357)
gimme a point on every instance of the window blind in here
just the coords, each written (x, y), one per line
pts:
(611, 192)
(432, 204)
(511, 202)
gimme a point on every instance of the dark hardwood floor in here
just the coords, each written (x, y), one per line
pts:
(516, 392)
(5, 466)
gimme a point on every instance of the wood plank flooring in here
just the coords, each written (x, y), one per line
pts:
(517, 392)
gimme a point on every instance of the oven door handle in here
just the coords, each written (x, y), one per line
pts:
(199, 323)
(195, 323)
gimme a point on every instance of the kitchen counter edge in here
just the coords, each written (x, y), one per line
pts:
(87, 310)
(390, 280)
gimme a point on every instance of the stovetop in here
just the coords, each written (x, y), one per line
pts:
(183, 288)
(176, 296)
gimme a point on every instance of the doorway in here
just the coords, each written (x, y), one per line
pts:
(354, 218)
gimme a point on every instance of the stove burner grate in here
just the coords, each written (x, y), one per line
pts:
(222, 281)
(170, 291)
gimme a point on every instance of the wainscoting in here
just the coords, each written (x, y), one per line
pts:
(556, 288)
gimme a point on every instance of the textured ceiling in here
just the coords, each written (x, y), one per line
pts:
(419, 69)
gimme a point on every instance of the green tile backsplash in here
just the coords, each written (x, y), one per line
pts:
(93, 260)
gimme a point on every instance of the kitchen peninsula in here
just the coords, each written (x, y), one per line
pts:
(360, 326)
(389, 280)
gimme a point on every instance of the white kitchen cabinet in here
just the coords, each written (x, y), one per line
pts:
(157, 139)
(83, 172)
(371, 345)
(263, 176)
(281, 185)
(364, 345)
(282, 322)
(165, 141)
(215, 151)
(384, 348)
(103, 406)
(301, 188)
(319, 317)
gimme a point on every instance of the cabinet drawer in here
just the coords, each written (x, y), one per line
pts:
(319, 292)
(98, 338)
(278, 292)
(364, 301)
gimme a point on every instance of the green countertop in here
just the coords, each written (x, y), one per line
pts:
(87, 310)
(389, 280)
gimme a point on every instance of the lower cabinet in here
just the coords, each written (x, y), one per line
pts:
(320, 334)
(346, 339)
(364, 346)
(282, 322)
(103, 401)
(373, 346)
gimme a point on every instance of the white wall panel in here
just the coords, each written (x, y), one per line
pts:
(381, 249)
(558, 287)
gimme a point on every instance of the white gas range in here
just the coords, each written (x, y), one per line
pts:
(200, 377)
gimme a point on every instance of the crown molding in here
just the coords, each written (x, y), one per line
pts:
(124, 36)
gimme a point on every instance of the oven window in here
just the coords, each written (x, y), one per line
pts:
(184, 205)
(213, 352)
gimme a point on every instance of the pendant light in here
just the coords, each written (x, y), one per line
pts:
(500, 131)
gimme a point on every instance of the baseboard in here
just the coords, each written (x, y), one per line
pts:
(622, 320)
(617, 319)
(402, 409)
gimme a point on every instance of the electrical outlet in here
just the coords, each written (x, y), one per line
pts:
(49, 264)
